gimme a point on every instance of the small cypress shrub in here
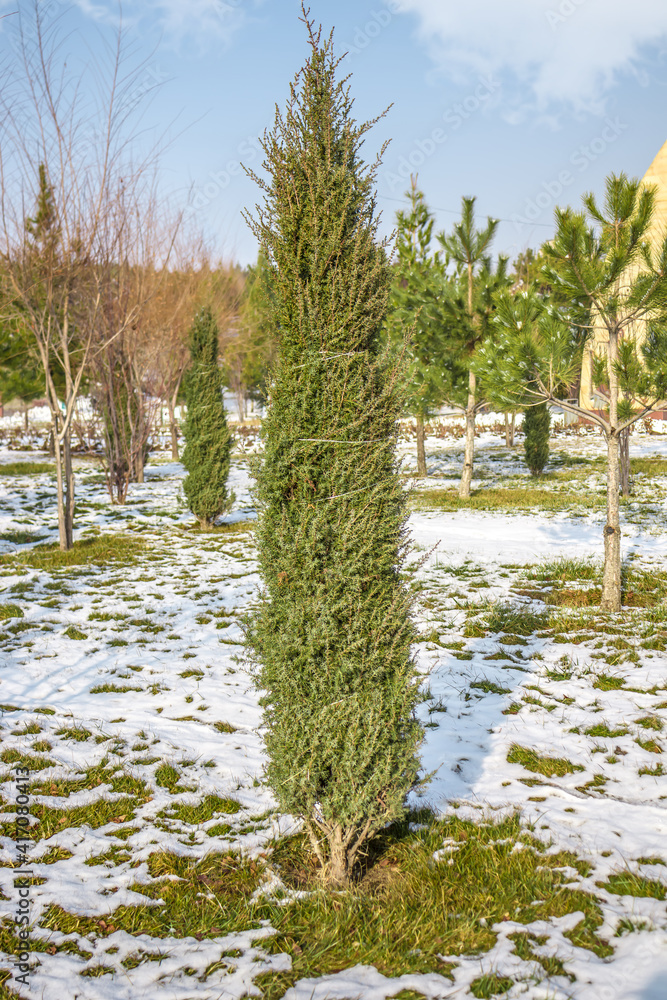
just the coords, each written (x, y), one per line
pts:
(208, 440)
(536, 426)
(331, 636)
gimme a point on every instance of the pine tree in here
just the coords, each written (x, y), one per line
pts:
(606, 263)
(468, 247)
(416, 288)
(536, 427)
(332, 635)
(208, 440)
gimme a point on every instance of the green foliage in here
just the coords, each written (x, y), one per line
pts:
(252, 360)
(534, 354)
(208, 439)
(536, 426)
(414, 312)
(469, 300)
(590, 254)
(332, 633)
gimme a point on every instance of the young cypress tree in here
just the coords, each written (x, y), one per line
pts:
(536, 427)
(332, 634)
(208, 440)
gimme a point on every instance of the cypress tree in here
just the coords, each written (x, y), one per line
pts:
(332, 633)
(207, 436)
(536, 426)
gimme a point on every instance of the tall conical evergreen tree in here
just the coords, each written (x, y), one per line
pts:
(332, 634)
(207, 436)
(536, 427)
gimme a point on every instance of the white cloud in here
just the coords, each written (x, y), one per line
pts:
(553, 51)
(203, 20)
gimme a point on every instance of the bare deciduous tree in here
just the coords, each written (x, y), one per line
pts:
(57, 192)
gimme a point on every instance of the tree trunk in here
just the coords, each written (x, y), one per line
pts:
(469, 451)
(512, 428)
(336, 874)
(26, 422)
(421, 452)
(507, 430)
(241, 403)
(173, 427)
(69, 486)
(611, 581)
(62, 532)
(624, 460)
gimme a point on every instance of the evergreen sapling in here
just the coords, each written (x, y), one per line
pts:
(332, 634)
(208, 440)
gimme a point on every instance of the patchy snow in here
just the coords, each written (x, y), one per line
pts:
(163, 638)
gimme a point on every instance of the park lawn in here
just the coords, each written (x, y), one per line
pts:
(533, 859)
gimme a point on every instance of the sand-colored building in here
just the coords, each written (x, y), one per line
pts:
(656, 175)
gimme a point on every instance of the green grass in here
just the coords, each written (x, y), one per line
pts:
(490, 985)
(650, 722)
(26, 468)
(78, 733)
(75, 633)
(205, 810)
(25, 760)
(101, 550)
(648, 466)
(96, 814)
(605, 682)
(8, 611)
(512, 619)
(564, 569)
(402, 912)
(629, 884)
(548, 766)
(406, 910)
(504, 498)
(603, 731)
(20, 537)
(113, 689)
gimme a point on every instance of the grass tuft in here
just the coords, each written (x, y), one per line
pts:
(548, 766)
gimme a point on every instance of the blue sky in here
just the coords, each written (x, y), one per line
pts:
(525, 104)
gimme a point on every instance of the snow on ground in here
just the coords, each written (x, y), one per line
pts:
(133, 666)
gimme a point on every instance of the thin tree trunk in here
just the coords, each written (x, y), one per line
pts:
(421, 452)
(26, 422)
(241, 403)
(611, 580)
(173, 427)
(512, 429)
(69, 485)
(507, 430)
(624, 459)
(58, 454)
(469, 451)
